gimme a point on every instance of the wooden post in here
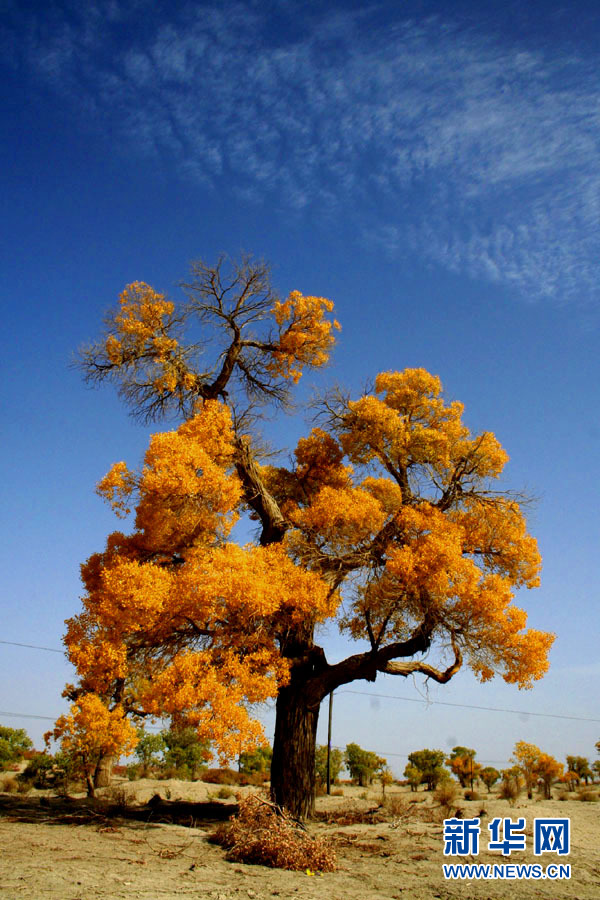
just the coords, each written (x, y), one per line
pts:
(329, 745)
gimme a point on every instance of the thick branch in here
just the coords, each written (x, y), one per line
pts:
(408, 668)
(258, 497)
(367, 665)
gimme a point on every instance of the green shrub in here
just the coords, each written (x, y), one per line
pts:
(225, 792)
(14, 743)
(40, 771)
(256, 762)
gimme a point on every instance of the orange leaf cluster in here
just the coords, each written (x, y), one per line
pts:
(91, 730)
(305, 335)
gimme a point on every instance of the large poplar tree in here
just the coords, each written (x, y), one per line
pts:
(386, 520)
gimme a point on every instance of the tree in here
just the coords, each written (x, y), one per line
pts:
(389, 501)
(413, 775)
(571, 779)
(581, 766)
(14, 743)
(463, 765)
(336, 763)
(256, 762)
(362, 764)
(489, 775)
(526, 757)
(148, 750)
(92, 733)
(185, 752)
(430, 764)
(548, 770)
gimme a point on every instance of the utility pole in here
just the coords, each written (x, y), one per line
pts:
(329, 744)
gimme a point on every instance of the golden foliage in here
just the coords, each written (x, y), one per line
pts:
(391, 501)
(305, 335)
(91, 730)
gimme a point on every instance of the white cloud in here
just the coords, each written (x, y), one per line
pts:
(477, 155)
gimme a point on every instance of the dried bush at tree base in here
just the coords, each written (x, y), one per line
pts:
(262, 833)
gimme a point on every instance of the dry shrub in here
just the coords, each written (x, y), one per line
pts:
(396, 804)
(338, 792)
(10, 785)
(262, 833)
(509, 790)
(221, 776)
(445, 795)
(588, 797)
(118, 797)
(472, 795)
(352, 815)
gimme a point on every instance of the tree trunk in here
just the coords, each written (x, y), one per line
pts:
(293, 778)
(103, 772)
(91, 792)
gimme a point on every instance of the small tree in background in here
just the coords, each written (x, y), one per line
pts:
(14, 743)
(336, 763)
(362, 764)
(413, 775)
(571, 779)
(489, 775)
(581, 766)
(548, 770)
(256, 762)
(185, 753)
(463, 765)
(526, 757)
(149, 750)
(386, 778)
(430, 763)
(512, 782)
(92, 733)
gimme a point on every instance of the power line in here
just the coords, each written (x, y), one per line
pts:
(498, 762)
(15, 715)
(32, 646)
(518, 712)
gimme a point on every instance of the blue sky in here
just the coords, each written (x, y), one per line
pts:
(430, 167)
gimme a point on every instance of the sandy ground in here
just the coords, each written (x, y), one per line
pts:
(62, 850)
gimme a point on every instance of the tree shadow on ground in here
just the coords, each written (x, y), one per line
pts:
(75, 811)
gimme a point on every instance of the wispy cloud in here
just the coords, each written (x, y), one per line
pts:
(478, 155)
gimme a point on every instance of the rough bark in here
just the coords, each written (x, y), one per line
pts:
(91, 792)
(293, 765)
(103, 772)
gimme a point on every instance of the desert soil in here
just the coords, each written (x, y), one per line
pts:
(66, 850)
